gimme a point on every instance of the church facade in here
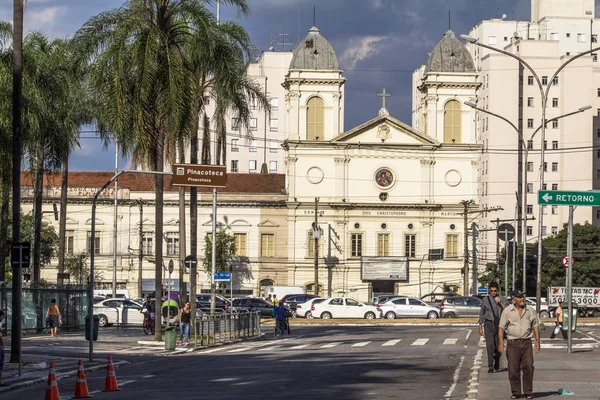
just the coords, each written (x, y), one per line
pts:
(384, 201)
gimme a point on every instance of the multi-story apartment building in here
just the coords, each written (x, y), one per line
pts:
(558, 30)
(249, 149)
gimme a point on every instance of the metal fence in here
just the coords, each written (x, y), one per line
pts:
(224, 327)
(72, 302)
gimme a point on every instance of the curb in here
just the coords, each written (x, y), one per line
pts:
(473, 383)
(199, 348)
(59, 376)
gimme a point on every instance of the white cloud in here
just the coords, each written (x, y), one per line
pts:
(363, 48)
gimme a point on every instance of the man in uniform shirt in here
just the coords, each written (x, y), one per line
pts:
(489, 318)
(520, 324)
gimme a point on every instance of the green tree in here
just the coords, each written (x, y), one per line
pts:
(225, 247)
(138, 72)
(77, 267)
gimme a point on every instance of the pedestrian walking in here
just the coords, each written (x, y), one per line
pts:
(520, 324)
(559, 322)
(280, 316)
(53, 317)
(1, 351)
(275, 301)
(269, 299)
(489, 319)
(184, 324)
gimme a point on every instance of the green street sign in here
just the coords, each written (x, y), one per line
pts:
(569, 198)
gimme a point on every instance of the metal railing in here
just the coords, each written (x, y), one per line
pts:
(211, 329)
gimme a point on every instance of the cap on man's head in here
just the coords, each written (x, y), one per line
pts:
(517, 293)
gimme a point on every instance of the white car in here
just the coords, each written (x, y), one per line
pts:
(544, 310)
(119, 311)
(304, 310)
(407, 307)
(343, 307)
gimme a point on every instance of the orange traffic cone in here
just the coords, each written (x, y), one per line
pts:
(110, 384)
(81, 388)
(52, 388)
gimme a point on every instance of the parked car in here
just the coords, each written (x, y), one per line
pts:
(343, 307)
(460, 306)
(254, 304)
(221, 303)
(305, 309)
(408, 307)
(435, 299)
(121, 311)
(292, 300)
(384, 299)
(544, 309)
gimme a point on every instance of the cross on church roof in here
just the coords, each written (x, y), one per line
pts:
(383, 95)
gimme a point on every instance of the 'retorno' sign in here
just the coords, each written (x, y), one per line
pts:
(199, 175)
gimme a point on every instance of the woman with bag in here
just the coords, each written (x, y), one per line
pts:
(184, 324)
(53, 317)
(559, 322)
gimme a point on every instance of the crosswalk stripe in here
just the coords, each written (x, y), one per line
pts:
(301, 346)
(269, 348)
(330, 345)
(238, 350)
(360, 344)
(392, 342)
(420, 342)
(450, 341)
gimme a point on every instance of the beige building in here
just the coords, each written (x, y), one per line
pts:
(252, 208)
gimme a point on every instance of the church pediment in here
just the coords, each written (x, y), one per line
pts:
(387, 130)
(268, 224)
(172, 222)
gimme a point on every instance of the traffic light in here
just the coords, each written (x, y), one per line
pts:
(19, 253)
(55, 211)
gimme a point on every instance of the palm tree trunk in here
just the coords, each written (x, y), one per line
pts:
(4, 228)
(182, 242)
(158, 212)
(62, 225)
(219, 138)
(37, 213)
(194, 224)
(205, 140)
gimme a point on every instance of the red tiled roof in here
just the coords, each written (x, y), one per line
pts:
(236, 183)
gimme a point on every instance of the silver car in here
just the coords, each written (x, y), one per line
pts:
(408, 307)
(460, 306)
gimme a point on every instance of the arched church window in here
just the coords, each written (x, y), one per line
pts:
(315, 119)
(452, 122)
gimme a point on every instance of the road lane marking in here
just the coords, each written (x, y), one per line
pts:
(301, 346)
(450, 341)
(126, 382)
(468, 335)
(456, 376)
(269, 348)
(360, 344)
(392, 342)
(420, 342)
(148, 376)
(238, 350)
(212, 351)
(330, 345)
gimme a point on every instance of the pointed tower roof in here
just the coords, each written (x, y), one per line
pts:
(314, 52)
(450, 55)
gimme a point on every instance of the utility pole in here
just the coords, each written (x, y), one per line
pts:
(17, 103)
(141, 253)
(497, 274)
(316, 235)
(475, 234)
(331, 261)
(466, 204)
(465, 213)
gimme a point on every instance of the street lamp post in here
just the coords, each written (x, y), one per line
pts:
(544, 97)
(524, 168)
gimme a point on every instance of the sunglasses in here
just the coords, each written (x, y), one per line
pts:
(493, 291)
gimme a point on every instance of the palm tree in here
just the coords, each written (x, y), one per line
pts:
(138, 72)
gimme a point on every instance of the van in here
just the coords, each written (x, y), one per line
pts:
(121, 293)
(281, 291)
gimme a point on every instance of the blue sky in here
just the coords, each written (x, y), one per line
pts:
(379, 43)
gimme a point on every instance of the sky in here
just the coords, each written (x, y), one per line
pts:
(379, 43)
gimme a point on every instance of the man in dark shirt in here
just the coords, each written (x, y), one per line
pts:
(280, 317)
(489, 319)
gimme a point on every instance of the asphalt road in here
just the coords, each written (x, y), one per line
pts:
(314, 362)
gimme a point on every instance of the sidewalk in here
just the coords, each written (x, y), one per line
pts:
(555, 368)
(35, 369)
